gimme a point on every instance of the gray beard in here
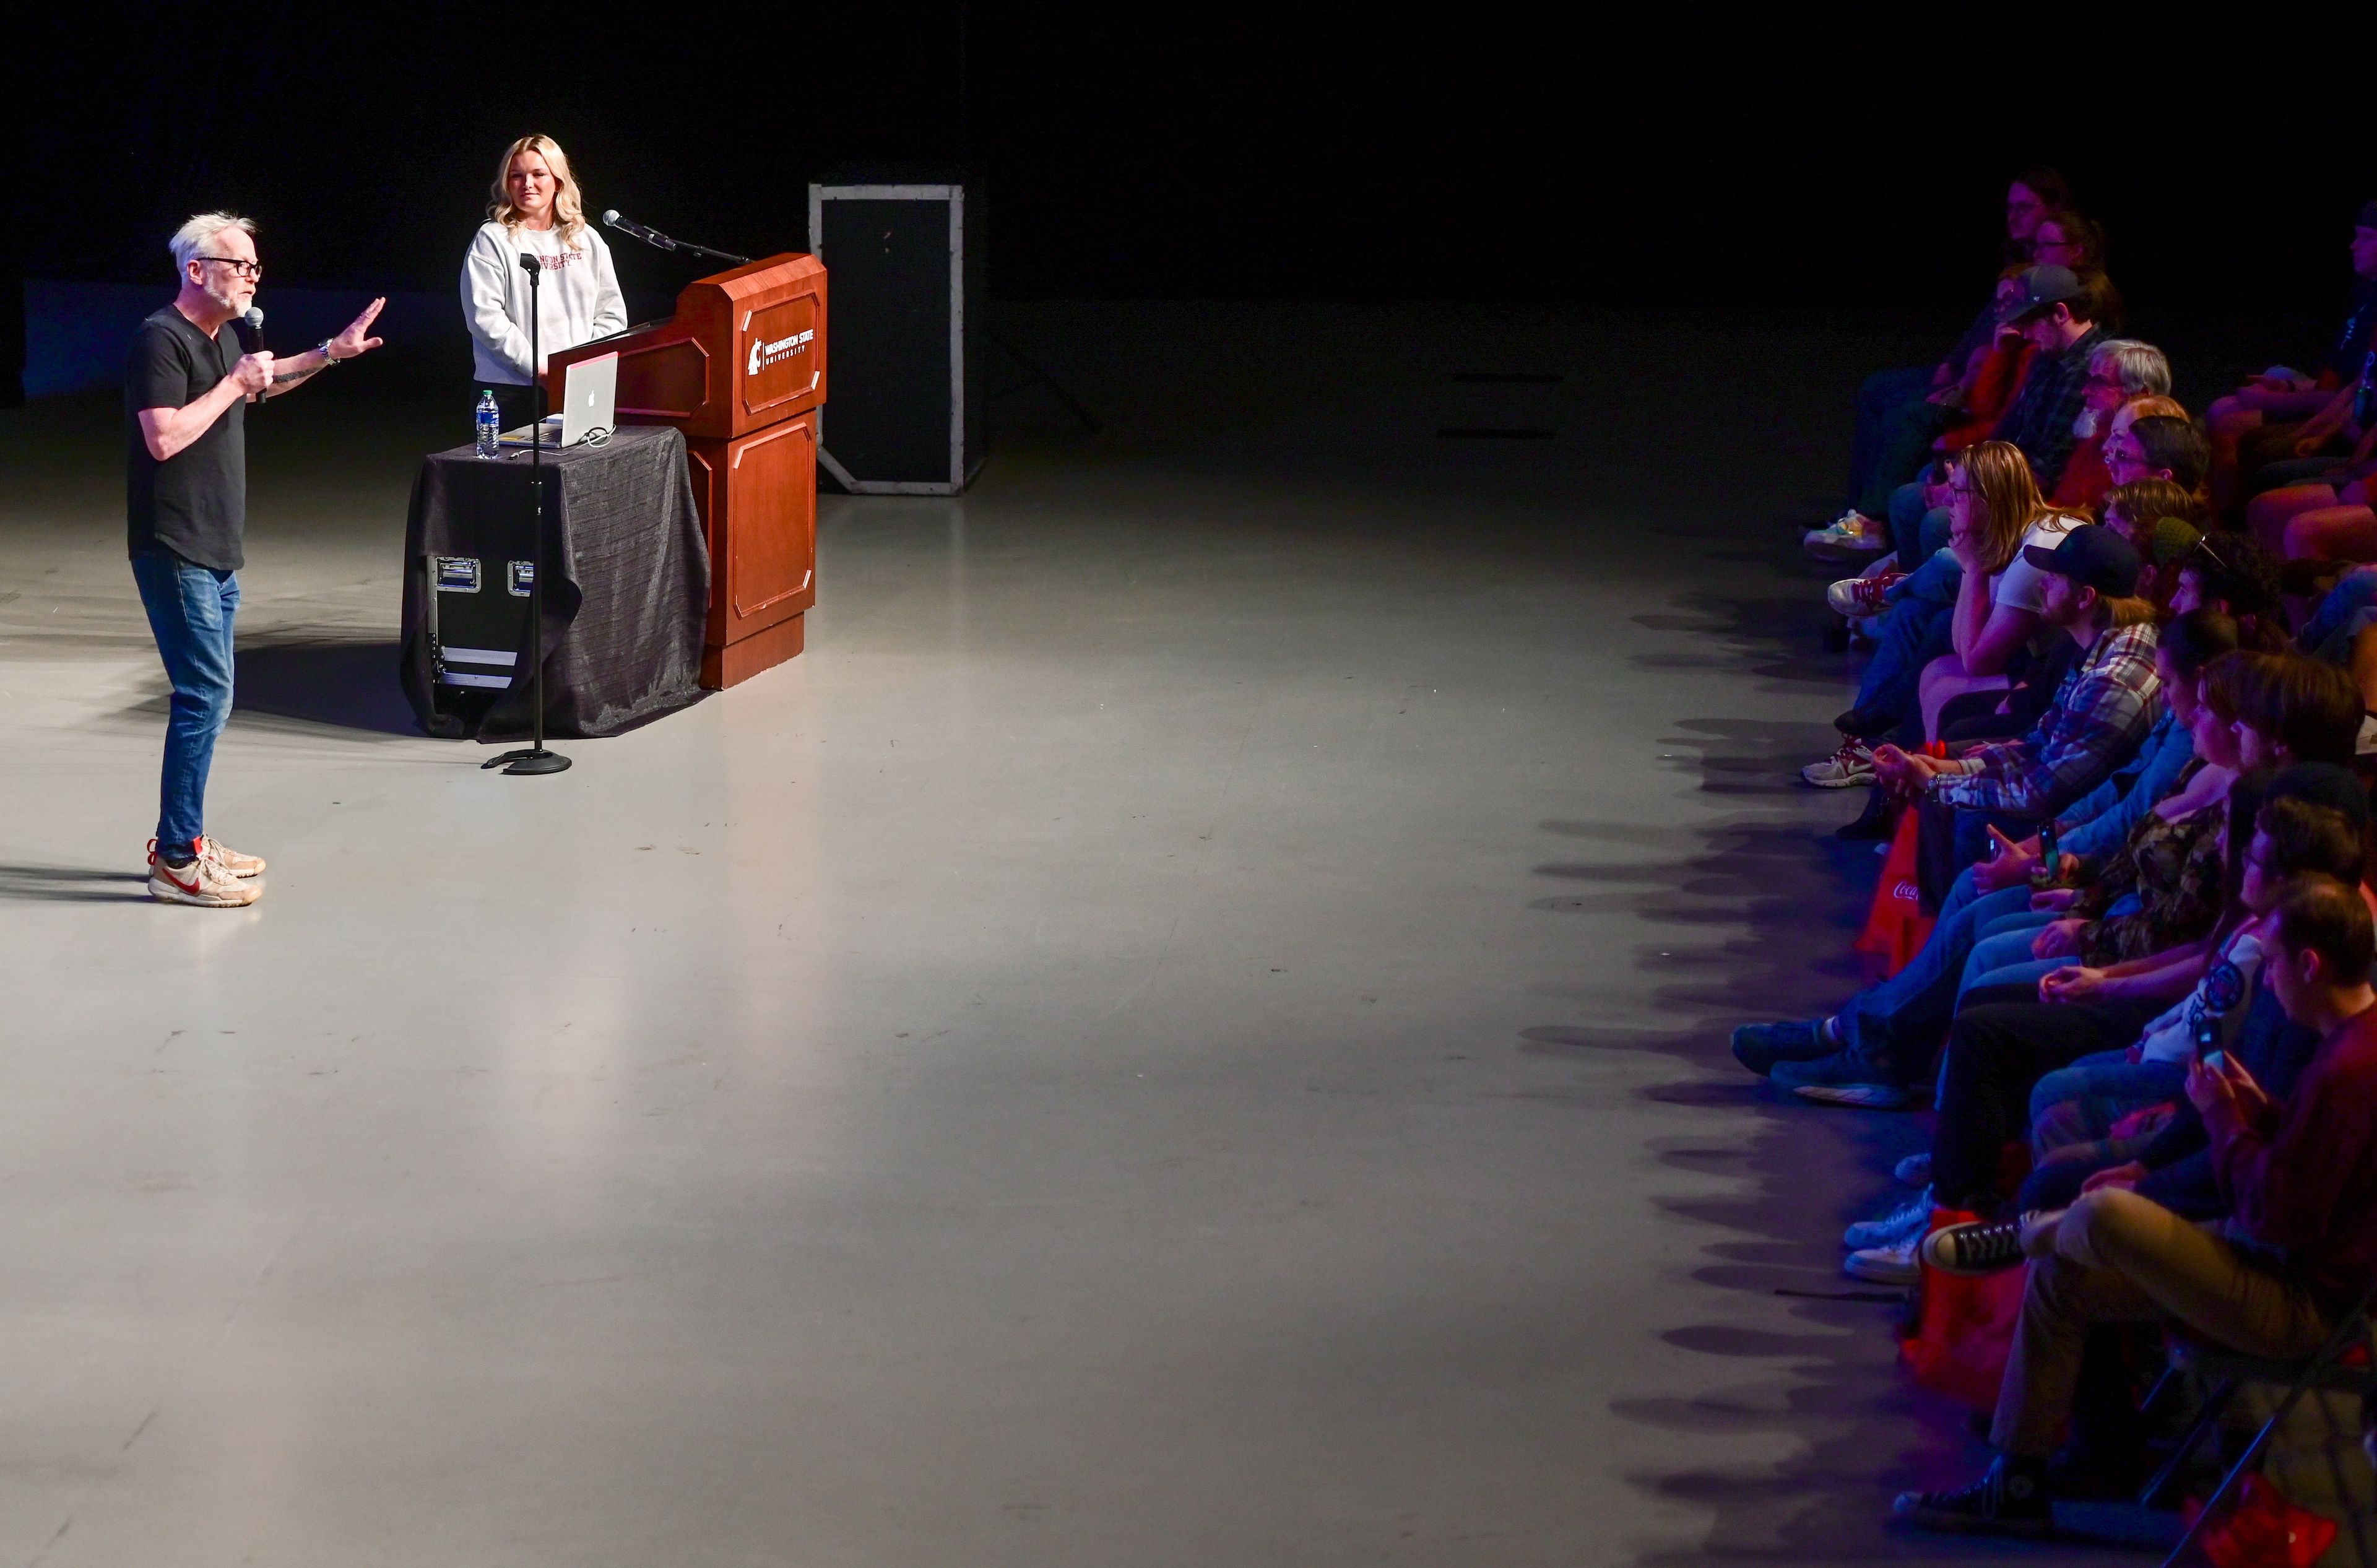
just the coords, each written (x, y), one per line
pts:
(224, 302)
(2086, 424)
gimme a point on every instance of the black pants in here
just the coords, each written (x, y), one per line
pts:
(1996, 1053)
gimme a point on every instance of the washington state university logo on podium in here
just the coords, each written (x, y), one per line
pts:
(766, 354)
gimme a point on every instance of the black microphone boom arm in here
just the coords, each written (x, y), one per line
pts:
(659, 241)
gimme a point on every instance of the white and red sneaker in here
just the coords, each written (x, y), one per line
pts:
(202, 882)
(1860, 597)
(229, 861)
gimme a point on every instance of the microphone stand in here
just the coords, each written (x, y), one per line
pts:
(535, 759)
(659, 241)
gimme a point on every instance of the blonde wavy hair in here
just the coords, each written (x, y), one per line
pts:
(568, 211)
(2005, 499)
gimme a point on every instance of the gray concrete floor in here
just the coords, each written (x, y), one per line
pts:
(1187, 1029)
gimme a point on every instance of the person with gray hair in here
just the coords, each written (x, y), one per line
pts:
(185, 391)
(2120, 371)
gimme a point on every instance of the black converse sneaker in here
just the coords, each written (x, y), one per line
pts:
(1978, 1246)
(2010, 1500)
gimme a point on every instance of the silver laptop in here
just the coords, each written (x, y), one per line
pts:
(589, 406)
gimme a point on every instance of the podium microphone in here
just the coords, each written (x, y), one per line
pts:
(653, 238)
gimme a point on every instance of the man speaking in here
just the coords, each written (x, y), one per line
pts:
(185, 396)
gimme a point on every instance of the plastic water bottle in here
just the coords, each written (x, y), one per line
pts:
(490, 427)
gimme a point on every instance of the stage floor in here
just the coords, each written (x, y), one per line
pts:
(1188, 1028)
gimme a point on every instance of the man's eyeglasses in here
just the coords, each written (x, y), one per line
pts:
(250, 270)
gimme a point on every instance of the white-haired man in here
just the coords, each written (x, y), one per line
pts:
(186, 504)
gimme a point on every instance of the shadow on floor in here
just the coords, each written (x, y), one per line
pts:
(350, 685)
(72, 885)
(1751, 917)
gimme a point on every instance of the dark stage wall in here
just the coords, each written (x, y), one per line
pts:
(1236, 153)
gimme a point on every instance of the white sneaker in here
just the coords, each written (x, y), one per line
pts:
(229, 861)
(202, 882)
(1887, 1265)
(1851, 765)
(1851, 535)
(1860, 598)
(1910, 1218)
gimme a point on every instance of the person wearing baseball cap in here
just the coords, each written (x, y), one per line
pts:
(2058, 309)
(2104, 708)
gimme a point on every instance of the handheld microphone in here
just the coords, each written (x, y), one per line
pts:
(250, 328)
(530, 264)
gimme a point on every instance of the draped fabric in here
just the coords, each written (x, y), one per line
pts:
(627, 583)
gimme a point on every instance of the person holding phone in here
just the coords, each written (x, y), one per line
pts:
(535, 209)
(2295, 1252)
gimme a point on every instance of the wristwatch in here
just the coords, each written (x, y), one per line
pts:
(324, 347)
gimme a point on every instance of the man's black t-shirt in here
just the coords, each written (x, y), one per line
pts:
(195, 503)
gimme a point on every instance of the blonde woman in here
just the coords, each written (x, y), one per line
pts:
(535, 211)
(1994, 512)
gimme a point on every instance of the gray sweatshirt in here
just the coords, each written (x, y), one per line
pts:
(578, 295)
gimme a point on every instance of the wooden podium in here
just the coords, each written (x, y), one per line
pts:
(740, 368)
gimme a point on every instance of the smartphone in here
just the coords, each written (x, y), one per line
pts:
(2217, 1061)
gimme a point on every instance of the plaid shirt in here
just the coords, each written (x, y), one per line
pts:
(2040, 420)
(2101, 712)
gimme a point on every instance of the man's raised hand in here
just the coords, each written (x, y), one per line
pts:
(351, 341)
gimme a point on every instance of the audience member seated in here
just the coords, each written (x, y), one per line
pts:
(2299, 1249)
(2120, 371)
(1903, 1018)
(2074, 1109)
(1996, 516)
(2229, 573)
(2270, 408)
(2162, 522)
(2328, 518)
(2058, 311)
(1885, 395)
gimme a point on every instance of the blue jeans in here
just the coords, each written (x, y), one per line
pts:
(190, 610)
(2105, 1087)
(1880, 402)
(2001, 956)
(2328, 634)
(1905, 1015)
(1920, 534)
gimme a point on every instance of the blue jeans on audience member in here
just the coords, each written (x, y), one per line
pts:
(1914, 632)
(2108, 1086)
(190, 610)
(2328, 634)
(1879, 402)
(2002, 957)
(1919, 534)
(1906, 1014)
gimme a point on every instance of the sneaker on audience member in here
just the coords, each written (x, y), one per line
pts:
(1848, 537)
(1850, 766)
(2010, 1500)
(229, 861)
(1860, 597)
(1759, 1047)
(1893, 1264)
(1905, 1223)
(1979, 1247)
(201, 882)
(1915, 1170)
(1847, 1077)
